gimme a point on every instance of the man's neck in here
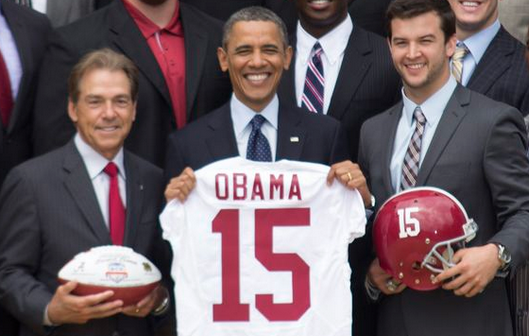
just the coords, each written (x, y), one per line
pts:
(160, 14)
(319, 31)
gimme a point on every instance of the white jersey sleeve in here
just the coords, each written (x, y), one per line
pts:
(261, 249)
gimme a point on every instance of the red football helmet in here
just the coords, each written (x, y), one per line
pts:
(416, 233)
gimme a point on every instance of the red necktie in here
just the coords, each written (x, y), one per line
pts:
(116, 209)
(6, 96)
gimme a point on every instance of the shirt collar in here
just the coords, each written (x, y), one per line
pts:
(478, 43)
(434, 106)
(95, 162)
(149, 28)
(333, 43)
(242, 114)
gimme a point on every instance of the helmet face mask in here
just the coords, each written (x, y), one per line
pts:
(417, 232)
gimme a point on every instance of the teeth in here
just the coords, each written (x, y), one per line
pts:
(320, 2)
(416, 66)
(257, 77)
(108, 128)
(470, 3)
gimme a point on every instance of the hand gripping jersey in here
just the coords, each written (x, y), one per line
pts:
(260, 249)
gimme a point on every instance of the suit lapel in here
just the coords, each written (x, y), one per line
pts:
(450, 120)
(493, 64)
(129, 39)
(354, 67)
(134, 200)
(23, 42)
(290, 134)
(222, 143)
(78, 183)
(196, 43)
(286, 90)
(391, 130)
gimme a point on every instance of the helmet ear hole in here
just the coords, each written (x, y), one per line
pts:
(416, 266)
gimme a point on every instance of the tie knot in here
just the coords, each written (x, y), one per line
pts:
(460, 53)
(419, 116)
(317, 50)
(111, 169)
(257, 121)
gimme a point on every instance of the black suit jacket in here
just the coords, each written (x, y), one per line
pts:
(48, 213)
(478, 154)
(502, 73)
(30, 31)
(319, 139)
(207, 87)
(367, 84)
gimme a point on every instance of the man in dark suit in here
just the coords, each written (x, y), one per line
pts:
(180, 79)
(57, 205)
(24, 38)
(492, 59)
(360, 82)
(469, 145)
(24, 34)
(255, 52)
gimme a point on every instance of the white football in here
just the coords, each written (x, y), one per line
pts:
(130, 275)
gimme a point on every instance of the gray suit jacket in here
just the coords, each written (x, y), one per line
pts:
(477, 154)
(48, 213)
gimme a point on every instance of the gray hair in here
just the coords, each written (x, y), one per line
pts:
(254, 13)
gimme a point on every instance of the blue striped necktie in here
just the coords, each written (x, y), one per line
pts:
(312, 98)
(410, 166)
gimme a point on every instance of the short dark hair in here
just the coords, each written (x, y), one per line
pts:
(254, 13)
(407, 9)
(105, 59)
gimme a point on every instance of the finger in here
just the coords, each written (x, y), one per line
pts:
(105, 309)
(448, 273)
(67, 288)
(331, 174)
(475, 291)
(95, 299)
(464, 289)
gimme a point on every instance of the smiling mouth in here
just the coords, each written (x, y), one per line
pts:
(107, 128)
(257, 78)
(416, 66)
(472, 4)
(319, 4)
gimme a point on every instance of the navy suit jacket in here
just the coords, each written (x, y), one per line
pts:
(207, 87)
(30, 31)
(502, 73)
(320, 139)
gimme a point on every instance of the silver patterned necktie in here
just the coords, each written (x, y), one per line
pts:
(410, 166)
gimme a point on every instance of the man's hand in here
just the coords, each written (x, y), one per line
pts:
(147, 304)
(475, 268)
(180, 187)
(350, 175)
(383, 281)
(65, 307)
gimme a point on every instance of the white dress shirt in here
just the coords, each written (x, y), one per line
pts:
(333, 44)
(432, 109)
(40, 5)
(241, 115)
(95, 163)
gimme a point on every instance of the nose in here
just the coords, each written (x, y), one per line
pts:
(108, 109)
(257, 59)
(413, 50)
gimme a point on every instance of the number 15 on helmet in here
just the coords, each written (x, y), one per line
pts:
(417, 232)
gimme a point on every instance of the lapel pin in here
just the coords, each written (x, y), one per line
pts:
(141, 186)
(294, 139)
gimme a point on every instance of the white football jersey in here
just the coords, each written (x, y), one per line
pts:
(260, 249)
